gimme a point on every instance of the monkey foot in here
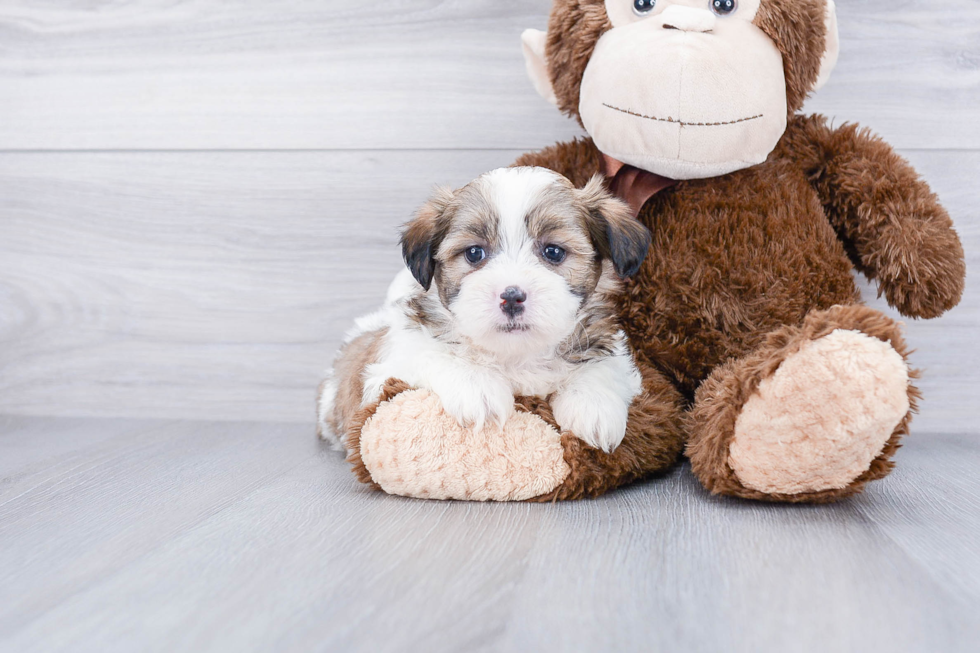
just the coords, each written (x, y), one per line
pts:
(406, 444)
(411, 447)
(820, 420)
(811, 416)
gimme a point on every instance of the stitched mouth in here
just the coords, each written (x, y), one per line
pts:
(513, 327)
(681, 122)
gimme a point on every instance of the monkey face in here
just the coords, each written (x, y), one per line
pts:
(711, 97)
(687, 89)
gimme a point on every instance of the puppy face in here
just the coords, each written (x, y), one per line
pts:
(514, 256)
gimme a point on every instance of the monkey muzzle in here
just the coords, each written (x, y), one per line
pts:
(685, 98)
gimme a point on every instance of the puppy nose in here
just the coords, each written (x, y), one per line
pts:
(688, 19)
(513, 301)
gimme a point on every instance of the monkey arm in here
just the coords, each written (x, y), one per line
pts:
(578, 160)
(892, 224)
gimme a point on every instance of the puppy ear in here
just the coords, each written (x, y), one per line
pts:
(422, 236)
(617, 235)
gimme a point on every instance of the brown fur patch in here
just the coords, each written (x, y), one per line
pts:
(348, 372)
(596, 334)
(474, 222)
(426, 310)
(799, 30)
(574, 28)
(560, 218)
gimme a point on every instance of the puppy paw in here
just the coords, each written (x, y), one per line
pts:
(374, 385)
(595, 417)
(481, 400)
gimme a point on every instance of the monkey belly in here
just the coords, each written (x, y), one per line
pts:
(733, 259)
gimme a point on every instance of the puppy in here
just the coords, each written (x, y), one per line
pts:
(510, 290)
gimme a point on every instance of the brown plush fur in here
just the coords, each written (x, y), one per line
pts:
(895, 230)
(574, 29)
(740, 257)
(798, 29)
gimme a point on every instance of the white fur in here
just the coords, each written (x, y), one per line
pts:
(594, 401)
(479, 369)
(325, 404)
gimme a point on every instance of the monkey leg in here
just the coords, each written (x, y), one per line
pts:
(406, 444)
(813, 415)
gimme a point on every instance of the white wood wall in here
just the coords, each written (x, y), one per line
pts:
(196, 198)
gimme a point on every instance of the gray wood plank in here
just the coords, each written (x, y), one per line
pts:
(411, 74)
(944, 468)
(81, 500)
(217, 285)
(266, 543)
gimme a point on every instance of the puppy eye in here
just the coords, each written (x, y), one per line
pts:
(554, 253)
(644, 7)
(475, 254)
(724, 7)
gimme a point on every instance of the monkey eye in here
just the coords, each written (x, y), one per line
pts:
(724, 7)
(554, 254)
(474, 255)
(643, 7)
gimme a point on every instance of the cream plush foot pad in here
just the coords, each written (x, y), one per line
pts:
(412, 448)
(823, 417)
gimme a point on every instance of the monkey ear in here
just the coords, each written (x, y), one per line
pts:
(832, 49)
(422, 236)
(534, 42)
(618, 236)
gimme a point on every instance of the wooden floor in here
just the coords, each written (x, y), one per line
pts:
(198, 197)
(135, 535)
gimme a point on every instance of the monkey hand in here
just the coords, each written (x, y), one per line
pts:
(918, 263)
